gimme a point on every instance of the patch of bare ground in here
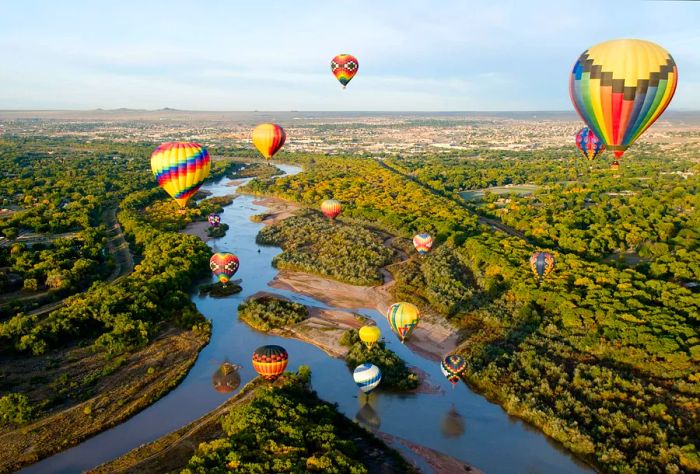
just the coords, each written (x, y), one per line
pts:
(278, 209)
(90, 393)
(439, 463)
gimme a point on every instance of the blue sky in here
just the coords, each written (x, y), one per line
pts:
(275, 55)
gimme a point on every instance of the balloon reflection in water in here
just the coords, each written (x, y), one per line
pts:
(367, 416)
(452, 425)
(226, 379)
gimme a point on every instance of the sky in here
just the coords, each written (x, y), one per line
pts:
(445, 55)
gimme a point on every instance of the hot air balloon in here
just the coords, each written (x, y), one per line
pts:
(452, 367)
(330, 208)
(268, 138)
(223, 265)
(620, 87)
(615, 165)
(214, 220)
(270, 361)
(588, 144)
(344, 67)
(403, 319)
(226, 379)
(367, 377)
(423, 243)
(180, 168)
(369, 335)
(542, 264)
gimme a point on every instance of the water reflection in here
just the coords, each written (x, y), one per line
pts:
(226, 379)
(367, 416)
(452, 425)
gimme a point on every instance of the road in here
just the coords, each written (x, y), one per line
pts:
(119, 249)
(492, 223)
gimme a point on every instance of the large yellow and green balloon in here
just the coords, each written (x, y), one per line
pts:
(268, 138)
(403, 319)
(180, 169)
(620, 87)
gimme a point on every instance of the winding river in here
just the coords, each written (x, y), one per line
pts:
(456, 421)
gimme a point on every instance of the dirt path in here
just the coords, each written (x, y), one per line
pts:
(493, 223)
(117, 246)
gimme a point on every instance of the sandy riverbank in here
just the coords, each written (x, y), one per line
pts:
(278, 209)
(433, 338)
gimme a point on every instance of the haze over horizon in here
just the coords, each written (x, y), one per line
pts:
(414, 57)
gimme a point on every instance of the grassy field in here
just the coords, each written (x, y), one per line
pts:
(520, 190)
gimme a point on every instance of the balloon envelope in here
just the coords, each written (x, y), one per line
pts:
(268, 138)
(331, 208)
(542, 264)
(588, 144)
(403, 318)
(214, 220)
(367, 377)
(270, 361)
(620, 87)
(452, 367)
(423, 243)
(180, 169)
(226, 379)
(344, 67)
(224, 265)
(369, 335)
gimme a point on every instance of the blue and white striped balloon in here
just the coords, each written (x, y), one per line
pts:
(367, 377)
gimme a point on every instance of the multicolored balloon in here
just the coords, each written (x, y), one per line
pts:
(588, 144)
(367, 377)
(620, 87)
(180, 169)
(331, 208)
(403, 319)
(452, 367)
(268, 138)
(224, 265)
(344, 67)
(270, 361)
(542, 264)
(423, 243)
(369, 335)
(214, 220)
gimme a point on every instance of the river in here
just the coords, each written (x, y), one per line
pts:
(457, 422)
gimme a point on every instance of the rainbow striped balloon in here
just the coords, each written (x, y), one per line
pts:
(620, 87)
(588, 144)
(367, 377)
(344, 67)
(268, 138)
(330, 208)
(180, 168)
(423, 243)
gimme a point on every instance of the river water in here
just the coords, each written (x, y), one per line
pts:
(456, 421)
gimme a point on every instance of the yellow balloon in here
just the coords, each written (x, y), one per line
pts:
(268, 138)
(369, 335)
(403, 318)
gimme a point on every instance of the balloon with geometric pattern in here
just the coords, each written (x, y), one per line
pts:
(214, 220)
(452, 367)
(270, 361)
(344, 67)
(542, 264)
(180, 169)
(588, 144)
(223, 265)
(620, 87)
(403, 319)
